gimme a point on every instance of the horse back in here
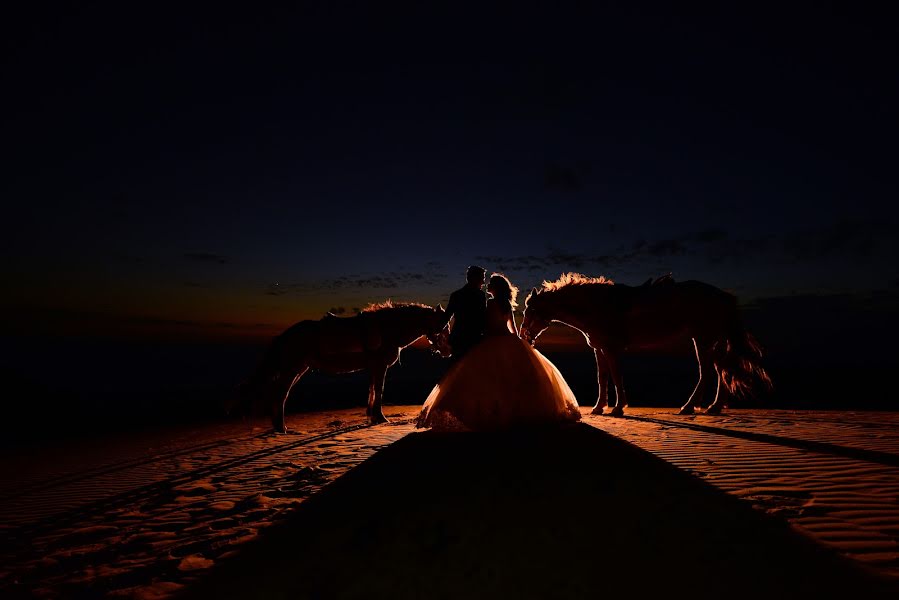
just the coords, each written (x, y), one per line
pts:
(332, 336)
(657, 315)
(349, 335)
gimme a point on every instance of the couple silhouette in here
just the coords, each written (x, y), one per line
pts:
(467, 308)
(497, 380)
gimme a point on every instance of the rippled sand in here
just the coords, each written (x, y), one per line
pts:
(833, 475)
(149, 515)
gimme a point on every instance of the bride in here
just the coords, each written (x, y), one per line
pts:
(502, 382)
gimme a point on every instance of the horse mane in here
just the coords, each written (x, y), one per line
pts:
(665, 279)
(378, 306)
(567, 279)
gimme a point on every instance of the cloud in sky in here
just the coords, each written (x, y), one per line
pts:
(206, 257)
(639, 250)
(844, 238)
(396, 280)
(851, 240)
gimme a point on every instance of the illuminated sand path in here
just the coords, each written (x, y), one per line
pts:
(145, 515)
(832, 475)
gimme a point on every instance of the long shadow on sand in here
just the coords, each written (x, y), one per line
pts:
(883, 458)
(561, 513)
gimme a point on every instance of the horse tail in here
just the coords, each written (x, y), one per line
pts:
(737, 358)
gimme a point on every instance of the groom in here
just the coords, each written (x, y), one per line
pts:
(469, 307)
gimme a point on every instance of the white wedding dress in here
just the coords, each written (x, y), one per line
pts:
(501, 383)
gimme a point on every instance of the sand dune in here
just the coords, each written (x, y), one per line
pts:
(151, 515)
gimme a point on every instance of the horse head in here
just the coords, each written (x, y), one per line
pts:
(436, 323)
(436, 330)
(535, 319)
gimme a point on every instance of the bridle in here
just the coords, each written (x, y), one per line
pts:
(528, 336)
(438, 339)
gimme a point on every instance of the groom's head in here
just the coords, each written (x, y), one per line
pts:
(475, 275)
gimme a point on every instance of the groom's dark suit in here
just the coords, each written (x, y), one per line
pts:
(469, 306)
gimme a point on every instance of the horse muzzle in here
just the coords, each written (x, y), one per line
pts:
(439, 343)
(525, 335)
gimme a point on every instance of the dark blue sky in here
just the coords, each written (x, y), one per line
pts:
(228, 171)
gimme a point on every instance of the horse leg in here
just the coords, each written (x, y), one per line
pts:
(371, 398)
(375, 394)
(709, 374)
(690, 407)
(618, 382)
(602, 379)
(280, 400)
(716, 406)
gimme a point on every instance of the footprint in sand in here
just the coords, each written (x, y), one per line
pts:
(155, 591)
(86, 534)
(196, 488)
(224, 524)
(150, 536)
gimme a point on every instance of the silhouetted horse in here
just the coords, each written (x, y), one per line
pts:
(616, 318)
(371, 340)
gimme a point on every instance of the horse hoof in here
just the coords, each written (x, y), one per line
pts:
(378, 419)
(597, 410)
(616, 412)
(713, 410)
(686, 411)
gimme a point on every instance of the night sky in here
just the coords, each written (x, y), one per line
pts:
(179, 173)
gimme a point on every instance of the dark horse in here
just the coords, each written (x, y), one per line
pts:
(371, 340)
(618, 318)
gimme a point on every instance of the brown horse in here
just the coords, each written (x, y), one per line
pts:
(371, 340)
(618, 318)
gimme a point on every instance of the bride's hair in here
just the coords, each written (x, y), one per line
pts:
(503, 289)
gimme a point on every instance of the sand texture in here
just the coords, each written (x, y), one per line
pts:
(567, 512)
(141, 518)
(800, 504)
(833, 475)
